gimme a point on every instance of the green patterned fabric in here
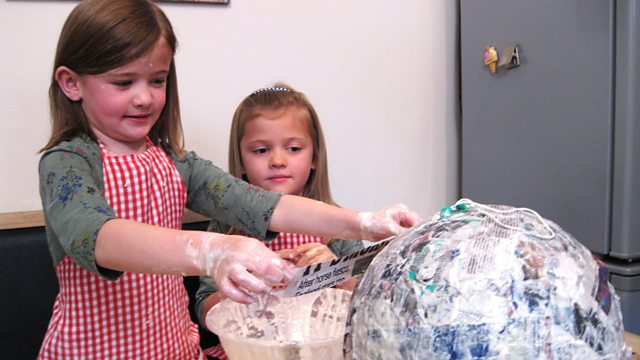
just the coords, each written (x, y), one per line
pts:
(71, 189)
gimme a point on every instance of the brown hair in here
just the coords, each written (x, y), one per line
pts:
(279, 97)
(99, 36)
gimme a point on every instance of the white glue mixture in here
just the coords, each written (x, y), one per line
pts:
(306, 327)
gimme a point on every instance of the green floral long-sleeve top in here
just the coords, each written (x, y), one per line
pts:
(71, 189)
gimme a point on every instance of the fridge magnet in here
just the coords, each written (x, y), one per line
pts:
(490, 58)
(510, 57)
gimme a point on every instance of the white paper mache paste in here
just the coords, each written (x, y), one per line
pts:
(481, 282)
(306, 327)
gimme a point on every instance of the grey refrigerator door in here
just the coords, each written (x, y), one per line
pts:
(625, 231)
(541, 135)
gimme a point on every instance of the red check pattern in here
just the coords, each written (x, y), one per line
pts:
(291, 241)
(216, 352)
(139, 316)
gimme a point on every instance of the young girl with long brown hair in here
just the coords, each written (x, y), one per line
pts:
(114, 183)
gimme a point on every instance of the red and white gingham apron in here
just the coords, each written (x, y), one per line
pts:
(282, 241)
(291, 241)
(139, 316)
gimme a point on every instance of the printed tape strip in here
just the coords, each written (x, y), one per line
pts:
(331, 273)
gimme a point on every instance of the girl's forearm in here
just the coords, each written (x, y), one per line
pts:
(307, 216)
(126, 245)
(239, 265)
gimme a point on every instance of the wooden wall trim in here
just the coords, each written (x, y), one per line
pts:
(21, 219)
(28, 219)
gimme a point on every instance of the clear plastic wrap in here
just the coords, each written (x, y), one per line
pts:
(485, 282)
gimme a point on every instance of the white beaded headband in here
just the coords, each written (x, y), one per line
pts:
(259, 91)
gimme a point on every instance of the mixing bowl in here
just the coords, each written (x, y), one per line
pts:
(306, 327)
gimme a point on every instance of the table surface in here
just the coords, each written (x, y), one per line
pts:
(633, 340)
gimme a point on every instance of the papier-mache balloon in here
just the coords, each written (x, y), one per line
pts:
(485, 282)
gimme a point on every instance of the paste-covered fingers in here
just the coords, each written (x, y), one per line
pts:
(313, 253)
(404, 216)
(242, 285)
(387, 222)
(289, 255)
(243, 266)
(233, 291)
(259, 268)
(271, 268)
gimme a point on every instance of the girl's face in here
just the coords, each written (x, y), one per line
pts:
(277, 150)
(123, 104)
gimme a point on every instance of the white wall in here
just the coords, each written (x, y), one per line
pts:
(381, 74)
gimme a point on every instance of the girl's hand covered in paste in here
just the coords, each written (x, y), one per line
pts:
(307, 254)
(242, 266)
(387, 222)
